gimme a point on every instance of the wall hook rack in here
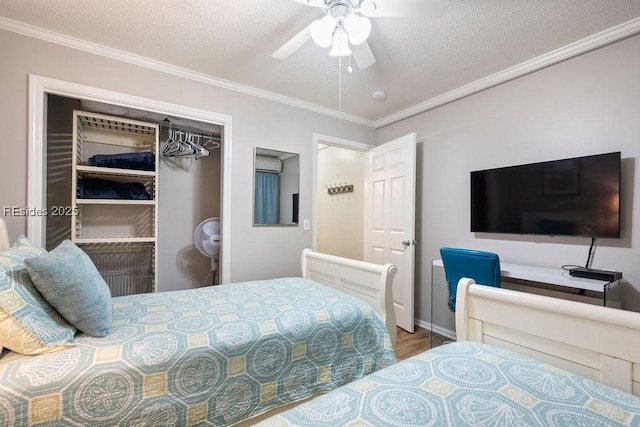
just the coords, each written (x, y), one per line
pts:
(339, 189)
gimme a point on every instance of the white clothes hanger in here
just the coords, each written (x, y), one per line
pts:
(180, 144)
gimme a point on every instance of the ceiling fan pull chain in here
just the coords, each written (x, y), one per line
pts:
(339, 98)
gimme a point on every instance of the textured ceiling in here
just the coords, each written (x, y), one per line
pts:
(418, 59)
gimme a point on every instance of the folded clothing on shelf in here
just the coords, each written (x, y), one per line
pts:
(144, 160)
(96, 188)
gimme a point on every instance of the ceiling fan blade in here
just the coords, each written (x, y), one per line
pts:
(293, 44)
(314, 3)
(404, 8)
(363, 55)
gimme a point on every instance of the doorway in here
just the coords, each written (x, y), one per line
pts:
(41, 88)
(376, 224)
(339, 215)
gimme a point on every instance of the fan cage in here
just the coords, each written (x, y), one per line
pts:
(200, 230)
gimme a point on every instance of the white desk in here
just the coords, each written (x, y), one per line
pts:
(553, 276)
(604, 293)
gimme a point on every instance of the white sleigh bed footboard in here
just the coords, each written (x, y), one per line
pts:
(367, 281)
(600, 343)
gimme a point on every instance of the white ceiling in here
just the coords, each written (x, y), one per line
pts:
(418, 59)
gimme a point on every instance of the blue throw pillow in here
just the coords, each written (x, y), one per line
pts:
(28, 324)
(67, 278)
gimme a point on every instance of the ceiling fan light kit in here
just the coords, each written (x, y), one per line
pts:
(346, 25)
(358, 28)
(340, 45)
(322, 30)
(339, 27)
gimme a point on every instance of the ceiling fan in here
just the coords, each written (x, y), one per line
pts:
(346, 25)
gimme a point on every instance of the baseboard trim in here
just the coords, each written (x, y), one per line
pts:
(435, 328)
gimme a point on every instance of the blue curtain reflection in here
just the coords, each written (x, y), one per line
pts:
(266, 202)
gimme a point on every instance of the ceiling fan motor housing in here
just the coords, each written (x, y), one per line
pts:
(339, 9)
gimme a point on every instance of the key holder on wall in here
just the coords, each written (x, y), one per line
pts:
(339, 189)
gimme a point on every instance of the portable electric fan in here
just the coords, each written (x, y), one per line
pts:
(207, 240)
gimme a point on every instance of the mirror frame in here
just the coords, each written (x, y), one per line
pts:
(282, 155)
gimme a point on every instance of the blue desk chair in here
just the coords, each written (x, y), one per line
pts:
(483, 267)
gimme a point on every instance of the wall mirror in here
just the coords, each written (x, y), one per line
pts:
(276, 185)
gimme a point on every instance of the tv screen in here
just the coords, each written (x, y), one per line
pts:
(569, 197)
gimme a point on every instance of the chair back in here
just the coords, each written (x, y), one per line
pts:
(483, 267)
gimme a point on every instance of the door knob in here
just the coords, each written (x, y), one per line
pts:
(407, 243)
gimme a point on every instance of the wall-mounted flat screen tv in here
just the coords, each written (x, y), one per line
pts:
(570, 197)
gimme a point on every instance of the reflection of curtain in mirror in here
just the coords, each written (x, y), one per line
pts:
(266, 203)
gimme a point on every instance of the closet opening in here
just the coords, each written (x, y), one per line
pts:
(187, 189)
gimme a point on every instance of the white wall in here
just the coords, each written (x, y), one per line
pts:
(587, 105)
(289, 185)
(583, 106)
(341, 216)
(188, 193)
(255, 251)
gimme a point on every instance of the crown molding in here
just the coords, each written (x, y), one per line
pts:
(130, 58)
(572, 50)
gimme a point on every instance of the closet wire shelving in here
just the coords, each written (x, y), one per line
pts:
(119, 235)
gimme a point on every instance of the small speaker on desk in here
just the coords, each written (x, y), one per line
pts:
(591, 273)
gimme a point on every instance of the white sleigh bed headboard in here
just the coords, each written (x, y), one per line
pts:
(367, 281)
(4, 236)
(600, 343)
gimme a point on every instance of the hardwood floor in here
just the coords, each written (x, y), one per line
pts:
(408, 345)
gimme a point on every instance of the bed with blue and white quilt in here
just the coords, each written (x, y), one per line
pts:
(468, 384)
(212, 356)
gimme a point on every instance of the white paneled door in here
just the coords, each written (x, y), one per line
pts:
(389, 221)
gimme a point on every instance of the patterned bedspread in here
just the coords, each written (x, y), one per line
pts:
(468, 384)
(211, 356)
